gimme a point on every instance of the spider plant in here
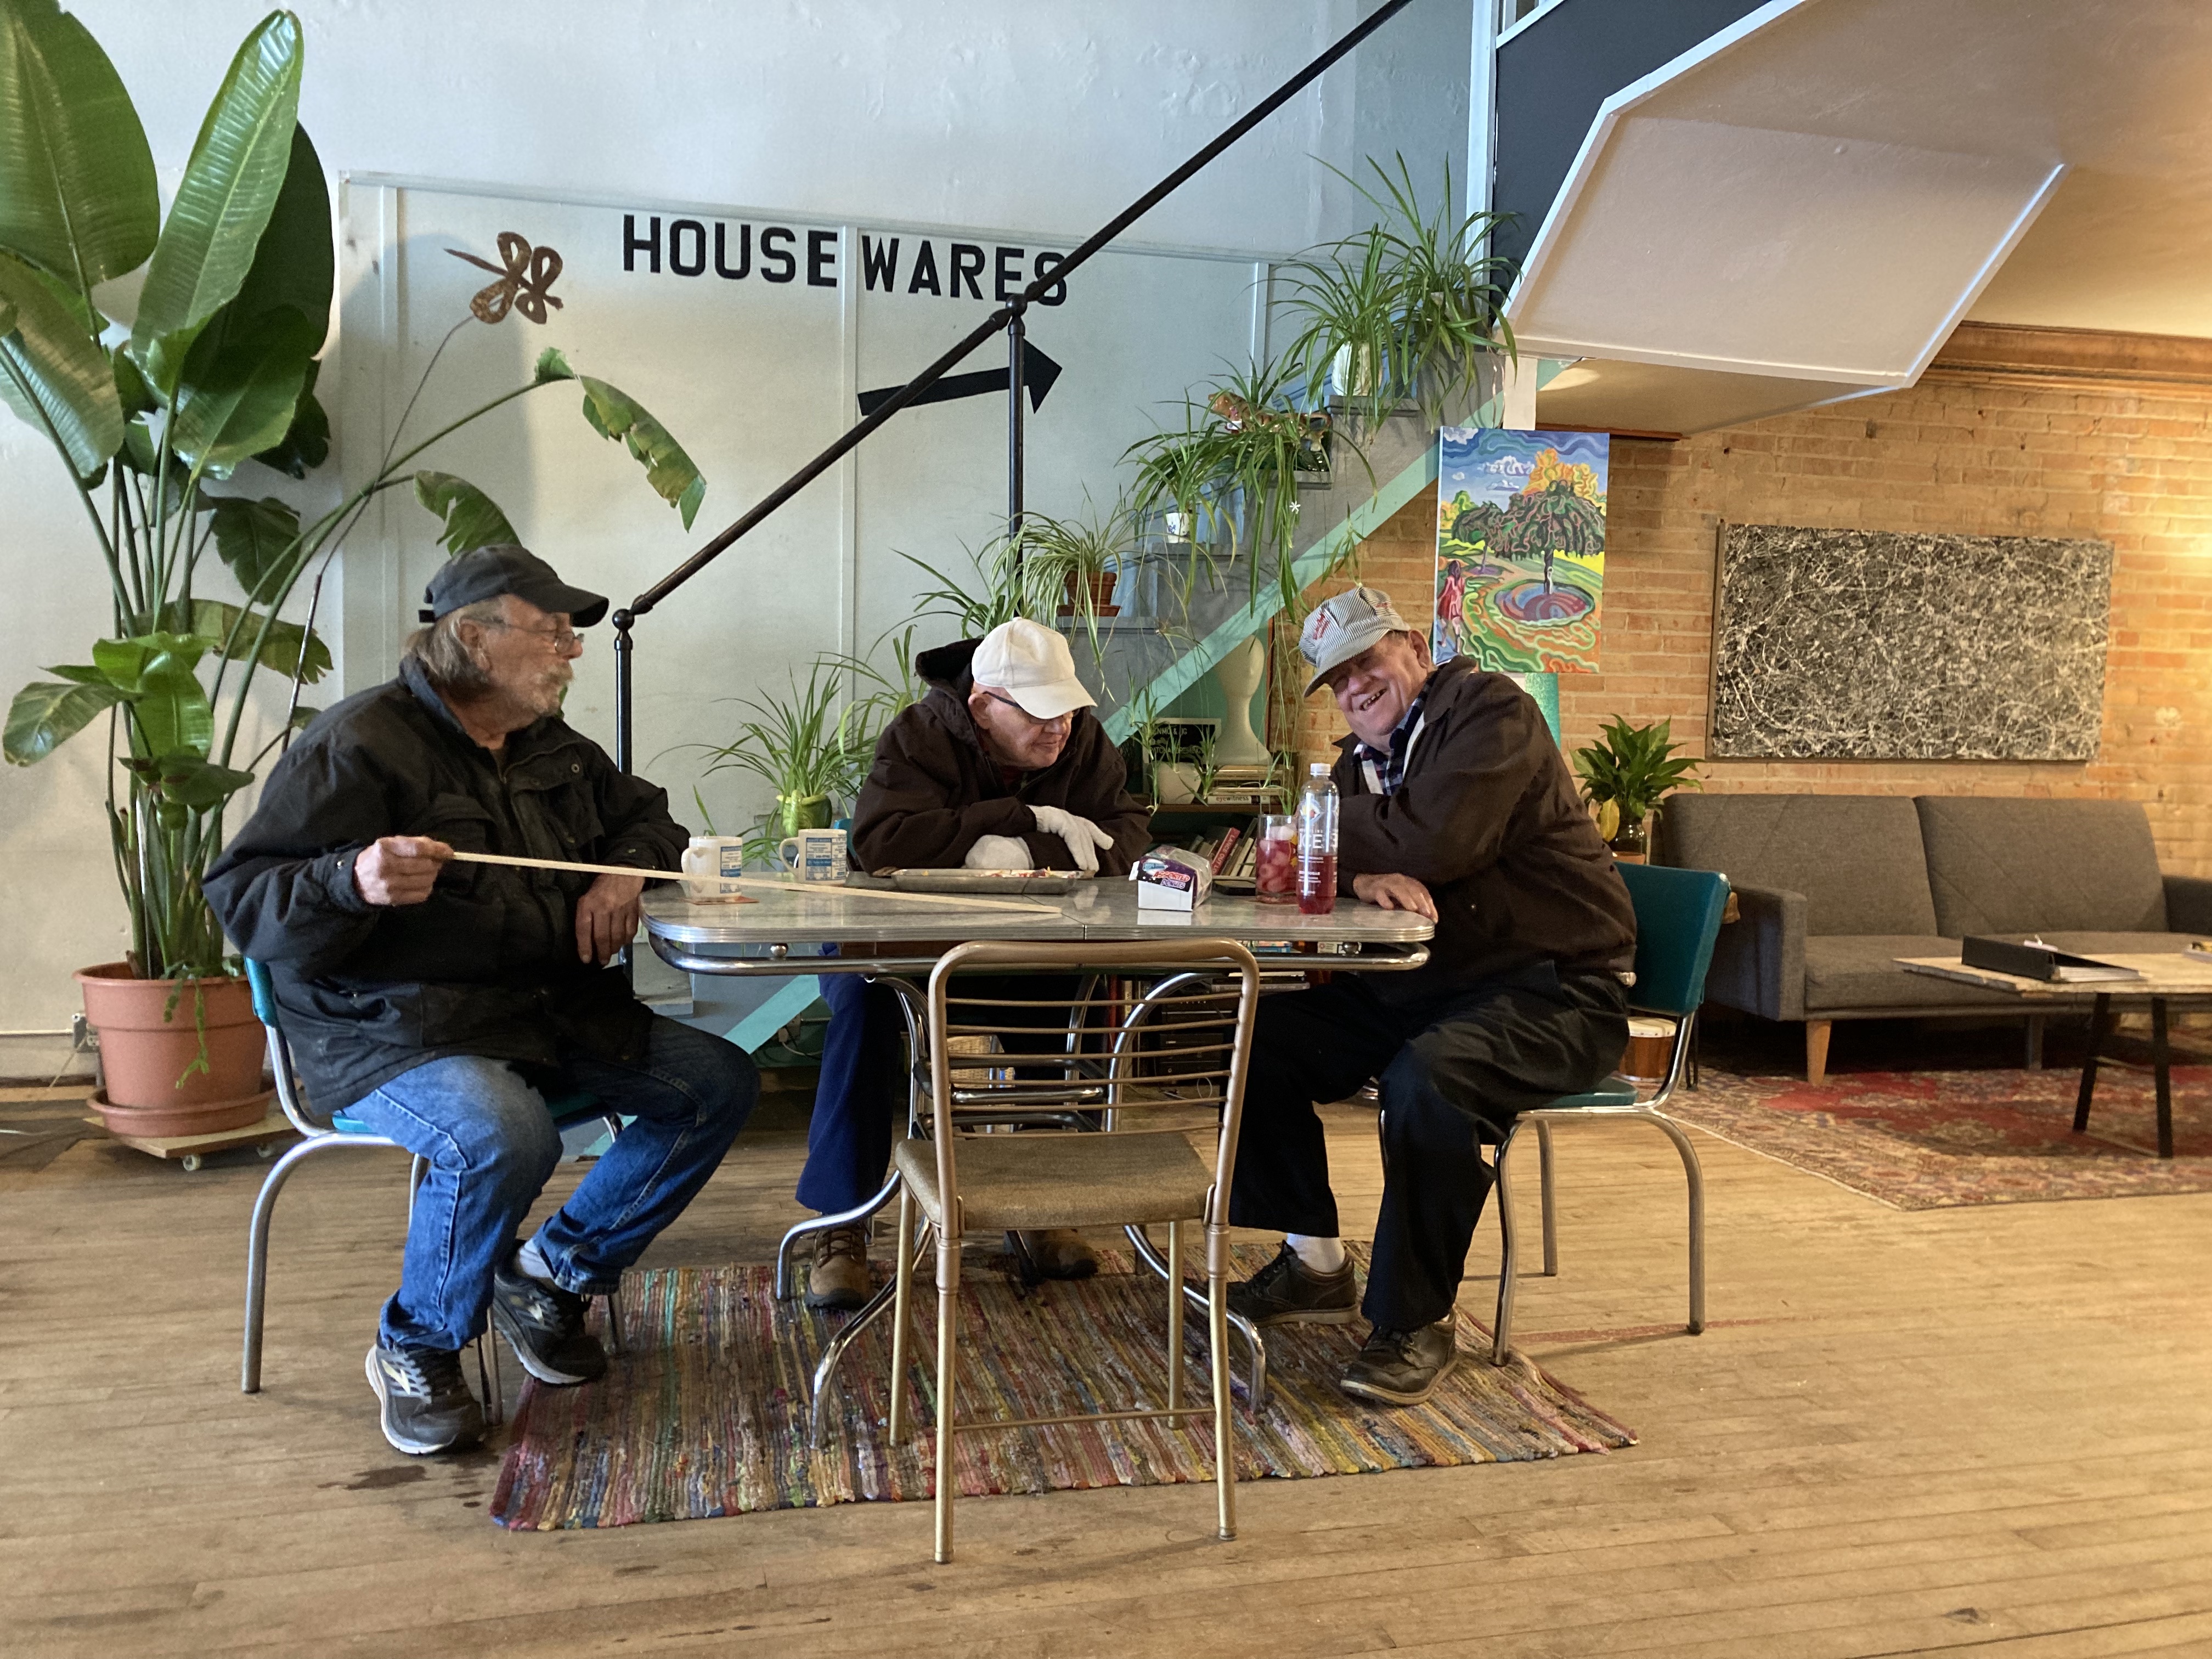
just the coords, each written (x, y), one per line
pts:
(1005, 589)
(1410, 309)
(810, 747)
(1234, 463)
(1081, 558)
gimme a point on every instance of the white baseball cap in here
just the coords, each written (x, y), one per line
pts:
(1031, 664)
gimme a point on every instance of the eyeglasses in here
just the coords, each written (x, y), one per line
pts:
(562, 639)
(1057, 719)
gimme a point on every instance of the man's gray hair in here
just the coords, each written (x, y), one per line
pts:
(444, 657)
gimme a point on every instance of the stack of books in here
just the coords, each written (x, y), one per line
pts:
(1230, 851)
(1244, 785)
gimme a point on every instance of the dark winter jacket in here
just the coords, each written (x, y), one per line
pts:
(1488, 819)
(488, 965)
(933, 793)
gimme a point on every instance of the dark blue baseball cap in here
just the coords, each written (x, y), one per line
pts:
(485, 573)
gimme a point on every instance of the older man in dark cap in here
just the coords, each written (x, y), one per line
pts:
(441, 1003)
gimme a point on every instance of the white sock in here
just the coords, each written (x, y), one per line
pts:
(531, 1260)
(1324, 1255)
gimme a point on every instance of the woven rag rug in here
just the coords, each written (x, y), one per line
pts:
(1925, 1140)
(705, 1413)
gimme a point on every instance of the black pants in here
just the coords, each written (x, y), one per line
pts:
(1455, 1070)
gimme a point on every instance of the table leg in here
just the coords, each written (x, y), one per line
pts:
(2099, 1015)
(2159, 1066)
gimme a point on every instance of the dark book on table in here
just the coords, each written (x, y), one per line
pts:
(2035, 960)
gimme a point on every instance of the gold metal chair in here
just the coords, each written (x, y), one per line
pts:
(1179, 1052)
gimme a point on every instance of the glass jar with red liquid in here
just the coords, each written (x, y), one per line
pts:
(1275, 860)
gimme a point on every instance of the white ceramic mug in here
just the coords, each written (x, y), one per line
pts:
(816, 854)
(714, 861)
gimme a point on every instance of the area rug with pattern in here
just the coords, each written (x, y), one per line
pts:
(1924, 1141)
(705, 1412)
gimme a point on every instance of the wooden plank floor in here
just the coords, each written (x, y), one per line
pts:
(1985, 1431)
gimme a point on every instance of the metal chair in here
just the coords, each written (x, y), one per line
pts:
(342, 1131)
(1678, 917)
(1137, 1174)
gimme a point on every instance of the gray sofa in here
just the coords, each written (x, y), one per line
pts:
(1834, 888)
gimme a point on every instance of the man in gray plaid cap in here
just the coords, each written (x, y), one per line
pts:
(1455, 804)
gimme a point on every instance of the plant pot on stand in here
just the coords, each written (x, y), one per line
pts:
(1091, 595)
(150, 1037)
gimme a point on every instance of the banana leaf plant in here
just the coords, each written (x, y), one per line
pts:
(217, 371)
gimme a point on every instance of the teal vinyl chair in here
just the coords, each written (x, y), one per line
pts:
(350, 1132)
(1678, 917)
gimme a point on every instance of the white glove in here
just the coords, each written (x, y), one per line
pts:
(998, 853)
(1085, 839)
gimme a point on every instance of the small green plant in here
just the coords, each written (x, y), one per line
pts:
(1628, 769)
(1409, 309)
(1005, 587)
(1074, 562)
(811, 747)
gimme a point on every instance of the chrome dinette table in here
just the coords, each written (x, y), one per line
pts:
(781, 936)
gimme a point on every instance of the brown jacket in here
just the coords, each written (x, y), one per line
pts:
(933, 793)
(1488, 818)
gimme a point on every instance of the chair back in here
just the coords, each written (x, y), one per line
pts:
(1179, 1046)
(1678, 917)
(280, 1051)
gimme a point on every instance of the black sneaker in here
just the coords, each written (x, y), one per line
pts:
(1288, 1293)
(544, 1325)
(1401, 1368)
(426, 1407)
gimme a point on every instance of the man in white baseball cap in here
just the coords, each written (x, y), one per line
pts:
(1002, 766)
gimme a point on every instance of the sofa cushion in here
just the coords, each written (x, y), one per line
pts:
(1998, 865)
(1860, 970)
(1856, 859)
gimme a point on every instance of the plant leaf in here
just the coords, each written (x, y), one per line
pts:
(306, 444)
(213, 619)
(171, 709)
(614, 413)
(256, 539)
(131, 390)
(551, 365)
(76, 177)
(236, 395)
(294, 264)
(46, 714)
(230, 188)
(472, 519)
(199, 784)
(54, 374)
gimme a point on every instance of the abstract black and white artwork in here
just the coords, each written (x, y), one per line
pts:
(1862, 644)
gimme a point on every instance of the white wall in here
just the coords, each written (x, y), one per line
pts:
(987, 112)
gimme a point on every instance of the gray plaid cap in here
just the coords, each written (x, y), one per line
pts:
(1341, 627)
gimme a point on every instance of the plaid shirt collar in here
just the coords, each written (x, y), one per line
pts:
(1391, 764)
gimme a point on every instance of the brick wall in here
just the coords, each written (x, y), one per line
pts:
(1960, 453)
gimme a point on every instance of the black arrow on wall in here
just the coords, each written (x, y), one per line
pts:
(1038, 373)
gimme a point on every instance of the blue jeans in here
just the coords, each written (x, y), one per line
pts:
(492, 1145)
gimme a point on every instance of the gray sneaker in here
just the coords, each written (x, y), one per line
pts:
(1288, 1293)
(544, 1326)
(426, 1407)
(1401, 1367)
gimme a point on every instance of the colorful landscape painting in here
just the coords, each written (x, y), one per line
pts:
(1520, 549)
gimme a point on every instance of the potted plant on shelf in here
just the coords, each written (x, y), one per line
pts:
(1410, 310)
(812, 747)
(1084, 560)
(217, 372)
(1625, 775)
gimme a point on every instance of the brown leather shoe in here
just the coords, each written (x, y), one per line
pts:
(839, 1276)
(1059, 1253)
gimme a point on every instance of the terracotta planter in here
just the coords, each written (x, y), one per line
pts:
(1101, 588)
(142, 1055)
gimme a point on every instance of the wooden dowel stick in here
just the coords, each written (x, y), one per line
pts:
(942, 901)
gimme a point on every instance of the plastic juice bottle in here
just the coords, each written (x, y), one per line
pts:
(1317, 843)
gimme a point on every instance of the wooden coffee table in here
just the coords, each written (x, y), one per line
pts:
(2169, 979)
